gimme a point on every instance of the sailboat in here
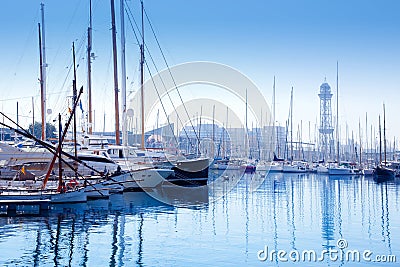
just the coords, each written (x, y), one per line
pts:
(292, 166)
(276, 164)
(247, 166)
(61, 191)
(344, 168)
(382, 171)
(178, 171)
(367, 170)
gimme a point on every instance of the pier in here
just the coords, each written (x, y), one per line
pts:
(11, 206)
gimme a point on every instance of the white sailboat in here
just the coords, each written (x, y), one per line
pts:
(367, 170)
(293, 166)
(276, 165)
(340, 168)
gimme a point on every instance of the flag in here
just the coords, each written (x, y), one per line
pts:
(23, 170)
(69, 110)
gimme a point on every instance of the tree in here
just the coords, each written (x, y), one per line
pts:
(50, 130)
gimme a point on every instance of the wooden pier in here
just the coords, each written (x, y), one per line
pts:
(11, 206)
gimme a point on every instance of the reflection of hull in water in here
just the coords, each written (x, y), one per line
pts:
(190, 172)
(182, 197)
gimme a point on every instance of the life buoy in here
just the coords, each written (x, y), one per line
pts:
(72, 183)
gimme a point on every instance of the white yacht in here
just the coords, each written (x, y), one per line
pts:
(322, 169)
(272, 166)
(344, 168)
(295, 167)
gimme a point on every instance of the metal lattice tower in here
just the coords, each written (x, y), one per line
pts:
(326, 142)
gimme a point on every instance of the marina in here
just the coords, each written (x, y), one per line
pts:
(213, 133)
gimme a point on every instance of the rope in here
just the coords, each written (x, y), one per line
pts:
(170, 73)
(162, 81)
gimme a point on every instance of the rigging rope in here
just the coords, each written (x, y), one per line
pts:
(170, 73)
(162, 81)
(159, 96)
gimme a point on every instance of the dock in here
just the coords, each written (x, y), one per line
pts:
(11, 206)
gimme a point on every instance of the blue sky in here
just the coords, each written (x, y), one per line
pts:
(297, 41)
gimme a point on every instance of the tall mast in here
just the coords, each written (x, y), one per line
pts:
(359, 133)
(225, 132)
(17, 117)
(33, 118)
(273, 115)
(60, 138)
(337, 111)
(42, 91)
(123, 78)
(366, 136)
(74, 91)
(43, 74)
(384, 132)
(380, 141)
(301, 152)
(213, 129)
(291, 125)
(247, 140)
(89, 66)
(246, 111)
(142, 79)
(114, 40)
(261, 134)
(373, 145)
(199, 129)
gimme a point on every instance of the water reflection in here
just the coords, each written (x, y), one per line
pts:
(225, 223)
(70, 232)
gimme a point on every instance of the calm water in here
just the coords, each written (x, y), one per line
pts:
(214, 226)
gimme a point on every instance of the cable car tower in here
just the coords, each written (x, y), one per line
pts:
(326, 142)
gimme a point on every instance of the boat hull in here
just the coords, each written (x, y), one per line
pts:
(77, 196)
(135, 180)
(341, 171)
(322, 170)
(368, 172)
(272, 167)
(190, 172)
(293, 169)
(382, 171)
